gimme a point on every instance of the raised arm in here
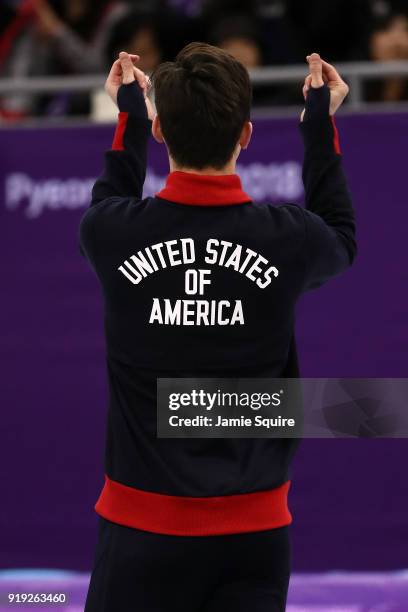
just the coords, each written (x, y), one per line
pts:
(125, 164)
(329, 215)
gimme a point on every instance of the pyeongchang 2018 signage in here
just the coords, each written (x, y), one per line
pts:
(273, 182)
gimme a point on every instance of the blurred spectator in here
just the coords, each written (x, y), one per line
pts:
(62, 37)
(138, 35)
(238, 34)
(336, 29)
(389, 41)
(152, 30)
(6, 15)
(274, 32)
(138, 32)
(241, 34)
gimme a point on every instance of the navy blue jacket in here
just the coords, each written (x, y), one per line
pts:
(239, 321)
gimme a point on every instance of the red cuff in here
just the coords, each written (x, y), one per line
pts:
(117, 144)
(336, 139)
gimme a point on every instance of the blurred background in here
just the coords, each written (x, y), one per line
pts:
(43, 38)
(349, 497)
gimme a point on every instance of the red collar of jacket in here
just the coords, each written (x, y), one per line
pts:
(203, 189)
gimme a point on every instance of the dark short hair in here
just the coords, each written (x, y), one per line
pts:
(203, 100)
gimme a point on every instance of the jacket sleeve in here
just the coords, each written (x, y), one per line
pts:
(124, 172)
(125, 164)
(329, 215)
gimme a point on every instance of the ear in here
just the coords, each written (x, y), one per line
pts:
(246, 134)
(156, 130)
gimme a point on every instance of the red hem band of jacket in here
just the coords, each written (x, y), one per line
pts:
(194, 516)
(118, 144)
(203, 189)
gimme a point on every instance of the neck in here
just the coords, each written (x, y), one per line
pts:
(227, 169)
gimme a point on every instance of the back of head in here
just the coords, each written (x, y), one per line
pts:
(203, 100)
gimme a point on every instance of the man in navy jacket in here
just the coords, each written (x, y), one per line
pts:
(201, 281)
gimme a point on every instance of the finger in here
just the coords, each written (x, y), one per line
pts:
(308, 80)
(316, 69)
(150, 109)
(115, 70)
(127, 67)
(134, 58)
(330, 72)
(306, 85)
(141, 78)
(147, 82)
